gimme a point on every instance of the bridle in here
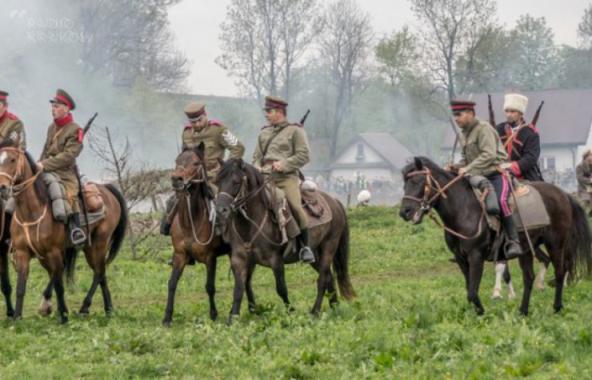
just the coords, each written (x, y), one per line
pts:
(432, 192)
(200, 176)
(237, 204)
(18, 188)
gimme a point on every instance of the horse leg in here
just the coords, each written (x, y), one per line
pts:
(539, 282)
(249, 288)
(45, 306)
(211, 285)
(526, 263)
(475, 274)
(238, 264)
(98, 267)
(281, 288)
(84, 309)
(500, 269)
(5, 280)
(325, 277)
(57, 274)
(508, 281)
(560, 277)
(179, 262)
(22, 260)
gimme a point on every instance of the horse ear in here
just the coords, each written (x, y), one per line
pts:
(199, 150)
(418, 163)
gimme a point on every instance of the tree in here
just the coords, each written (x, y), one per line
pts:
(397, 57)
(129, 39)
(344, 47)
(452, 28)
(585, 29)
(536, 56)
(263, 42)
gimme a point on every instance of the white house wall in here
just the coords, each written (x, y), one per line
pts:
(349, 155)
(583, 148)
(370, 174)
(563, 157)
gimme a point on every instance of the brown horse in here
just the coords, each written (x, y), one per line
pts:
(245, 210)
(35, 233)
(567, 239)
(192, 231)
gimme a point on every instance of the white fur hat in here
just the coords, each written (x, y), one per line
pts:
(515, 102)
(364, 196)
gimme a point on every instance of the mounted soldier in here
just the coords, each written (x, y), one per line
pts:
(521, 140)
(482, 154)
(216, 138)
(10, 125)
(62, 146)
(281, 150)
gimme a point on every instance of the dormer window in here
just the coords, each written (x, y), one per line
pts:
(360, 156)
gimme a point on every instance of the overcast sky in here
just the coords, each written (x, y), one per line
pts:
(196, 25)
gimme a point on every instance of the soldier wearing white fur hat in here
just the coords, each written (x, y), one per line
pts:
(521, 140)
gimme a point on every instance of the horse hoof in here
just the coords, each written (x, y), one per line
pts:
(108, 312)
(231, 319)
(10, 314)
(84, 312)
(558, 308)
(213, 315)
(45, 308)
(166, 323)
(64, 320)
(252, 308)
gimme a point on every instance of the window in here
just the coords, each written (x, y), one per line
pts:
(360, 155)
(550, 163)
(547, 163)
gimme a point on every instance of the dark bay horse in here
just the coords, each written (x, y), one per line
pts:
(192, 231)
(567, 239)
(245, 210)
(4, 248)
(35, 233)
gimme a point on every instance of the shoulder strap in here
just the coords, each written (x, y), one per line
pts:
(264, 150)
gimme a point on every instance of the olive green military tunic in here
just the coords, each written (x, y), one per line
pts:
(217, 139)
(62, 147)
(288, 144)
(12, 128)
(482, 149)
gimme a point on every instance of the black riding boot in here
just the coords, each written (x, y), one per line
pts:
(513, 247)
(77, 235)
(306, 254)
(167, 218)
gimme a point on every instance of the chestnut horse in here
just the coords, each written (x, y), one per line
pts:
(35, 233)
(192, 231)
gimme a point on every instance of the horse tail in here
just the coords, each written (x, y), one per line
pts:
(70, 257)
(119, 232)
(579, 264)
(341, 261)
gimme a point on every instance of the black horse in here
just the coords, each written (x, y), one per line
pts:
(246, 210)
(4, 248)
(567, 239)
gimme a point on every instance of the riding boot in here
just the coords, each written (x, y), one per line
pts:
(169, 214)
(491, 203)
(306, 254)
(77, 235)
(513, 247)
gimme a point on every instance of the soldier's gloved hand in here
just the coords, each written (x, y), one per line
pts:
(462, 171)
(506, 166)
(39, 167)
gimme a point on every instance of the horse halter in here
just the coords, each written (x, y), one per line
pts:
(241, 196)
(426, 203)
(18, 188)
(200, 176)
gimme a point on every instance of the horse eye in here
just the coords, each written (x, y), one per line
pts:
(13, 160)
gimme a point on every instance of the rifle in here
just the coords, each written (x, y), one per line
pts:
(303, 120)
(491, 114)
(537, 114)
(80, 189)
(456, 138)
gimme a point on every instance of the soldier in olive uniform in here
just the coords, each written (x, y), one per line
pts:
(10, 125)
(482, 154)
(281, 150)
(62, 147)
(216, 138)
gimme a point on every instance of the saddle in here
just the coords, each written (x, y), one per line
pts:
(530, 213)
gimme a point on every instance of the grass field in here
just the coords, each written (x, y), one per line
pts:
(410, 320)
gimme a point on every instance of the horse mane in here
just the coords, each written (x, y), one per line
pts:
(426, 163)
(39, 185)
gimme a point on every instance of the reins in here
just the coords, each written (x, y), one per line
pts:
(426, 203)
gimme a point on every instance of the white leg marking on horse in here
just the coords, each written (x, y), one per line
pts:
(539, 282)
(499, 273)
(511, 292)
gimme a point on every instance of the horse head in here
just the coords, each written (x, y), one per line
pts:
(12, 167)
(189, 169)
(423, 187)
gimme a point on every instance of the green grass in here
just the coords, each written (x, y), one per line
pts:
(410, 320)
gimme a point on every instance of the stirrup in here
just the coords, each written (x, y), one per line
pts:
(81, 236)
(306, 255)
